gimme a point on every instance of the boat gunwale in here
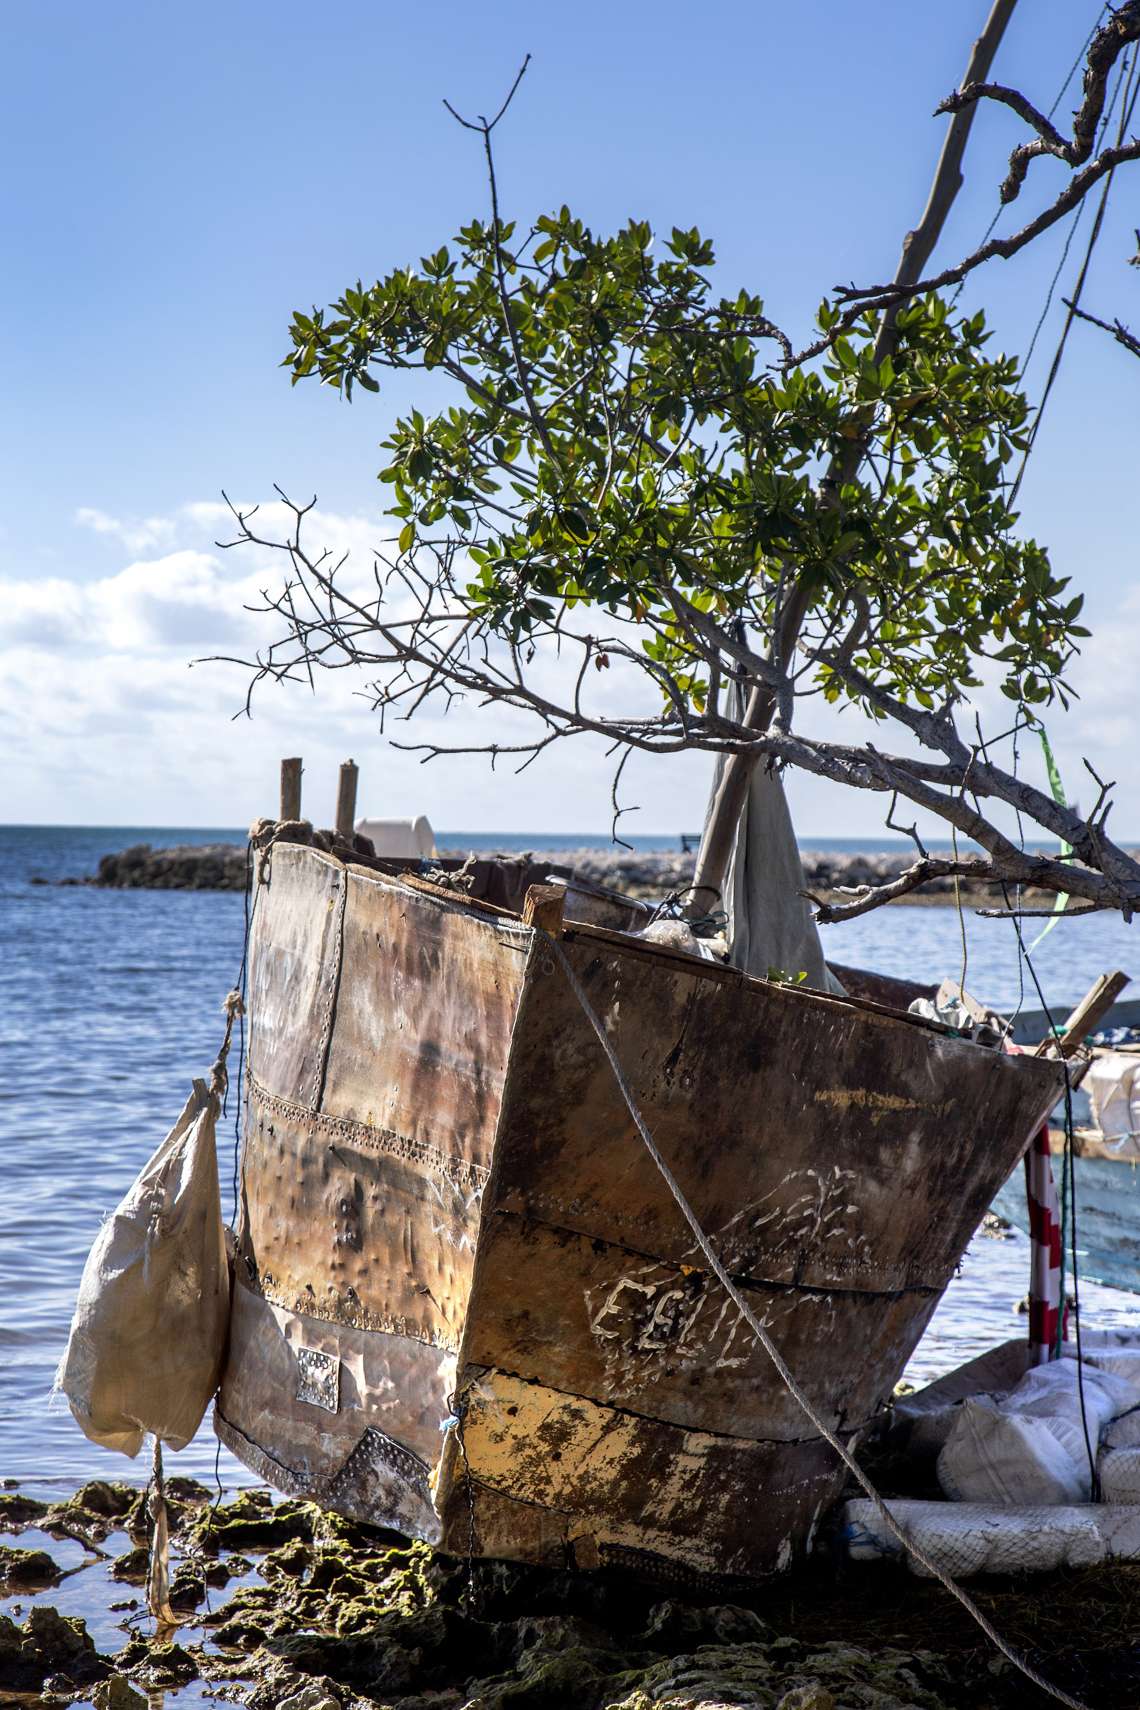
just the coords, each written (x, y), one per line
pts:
(626, 943)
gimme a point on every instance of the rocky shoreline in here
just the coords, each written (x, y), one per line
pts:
(637, 873)
(281, 1606)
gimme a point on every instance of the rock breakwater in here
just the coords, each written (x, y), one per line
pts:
(650, 874)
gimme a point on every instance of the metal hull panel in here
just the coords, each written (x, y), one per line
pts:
(449, 1220)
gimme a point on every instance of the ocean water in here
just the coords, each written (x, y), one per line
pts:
(110, 1002)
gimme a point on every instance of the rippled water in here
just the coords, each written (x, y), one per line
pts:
(111, 1004)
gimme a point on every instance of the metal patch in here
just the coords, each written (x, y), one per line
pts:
(319, 1381)
(384, 1483)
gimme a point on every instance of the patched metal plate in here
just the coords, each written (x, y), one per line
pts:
(318, 1379)
(383, 1483)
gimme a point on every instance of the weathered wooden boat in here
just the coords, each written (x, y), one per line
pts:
(465, 1305)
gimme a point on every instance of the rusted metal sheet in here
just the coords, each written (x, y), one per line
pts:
(603, 1485)
(448, 1214)
(665, 1340)
(354, 1225)
(293, 966)
(308, 1389)
(823, 1143)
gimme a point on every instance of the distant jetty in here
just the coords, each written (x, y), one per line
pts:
(186, 867)
(637, 873)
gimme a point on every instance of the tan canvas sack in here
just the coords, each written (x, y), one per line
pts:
(149, 1333)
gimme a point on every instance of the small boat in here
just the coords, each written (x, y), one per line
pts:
(1106, 1152)
(465, 1305)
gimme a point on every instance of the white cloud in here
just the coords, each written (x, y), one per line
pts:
(103, 721)
(136, 535)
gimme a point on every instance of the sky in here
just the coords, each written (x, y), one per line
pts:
(176, 180)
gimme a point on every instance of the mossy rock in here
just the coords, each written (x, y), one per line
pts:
(51, 1652)
(165, 1666)
(17, 1511)
(252, 1521)
(117, 1693)
(27, 1568)
(676, 1626)
(57, 1638)
(132, 1566)
(101, 1496)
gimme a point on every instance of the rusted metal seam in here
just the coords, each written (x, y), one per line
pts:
(325, 1048)
(363, 1320)
(744, 1278)
(385, 1140)
(256, 1458)
(670, 1424)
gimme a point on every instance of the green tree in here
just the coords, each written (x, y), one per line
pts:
(631, 469)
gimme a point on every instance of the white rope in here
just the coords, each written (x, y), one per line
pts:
(777, 1359)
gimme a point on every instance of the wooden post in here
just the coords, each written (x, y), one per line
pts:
(346, 801)
(290, 789)
(542, 908)
(1087, 1016)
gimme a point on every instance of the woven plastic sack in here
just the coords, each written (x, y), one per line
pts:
(1030, 1448)
(1124, 1433)
(994, 1456)
(1119, 1471)
(149, 1332)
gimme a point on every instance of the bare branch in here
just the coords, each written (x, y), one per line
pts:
(1105, 49)
(1119, 331)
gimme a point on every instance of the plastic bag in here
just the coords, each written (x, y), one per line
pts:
(149, 1333)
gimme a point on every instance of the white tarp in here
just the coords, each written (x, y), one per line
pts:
(1113, 1085)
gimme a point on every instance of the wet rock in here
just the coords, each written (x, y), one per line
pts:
(312, 1697)
(131, 1567)
(57, 1637)
(679, 1626)
(11, 1641)
(291, 1561)
(179, 1488)
(187, 867)
(810, 1697)
(96, 1510)
(52, 1652)
(27, 1568)
(157, 1667)
(102, 1497)
(253, 1521)
(117, 1693)
(17, 1511)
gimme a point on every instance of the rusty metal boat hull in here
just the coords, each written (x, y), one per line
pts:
(465, 1304)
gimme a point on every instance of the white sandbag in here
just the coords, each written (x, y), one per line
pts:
(995, 1456)
(1031, 1447)
(1119, 1473)
(964, 1538)
(148, 1336)
(1123, 1364)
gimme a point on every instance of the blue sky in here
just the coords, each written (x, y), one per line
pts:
(177, 179)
